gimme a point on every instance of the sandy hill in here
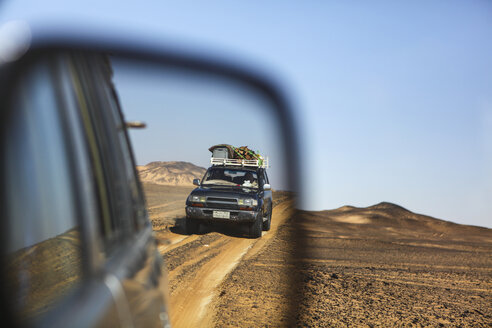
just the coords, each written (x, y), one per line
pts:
(170, 173)
(391, 222)
(386, 266)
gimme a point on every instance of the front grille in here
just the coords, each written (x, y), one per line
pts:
(222, 200)
(222, 205)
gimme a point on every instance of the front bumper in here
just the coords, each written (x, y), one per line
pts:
(206, 214)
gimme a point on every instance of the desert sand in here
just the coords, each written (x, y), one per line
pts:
(371, 267)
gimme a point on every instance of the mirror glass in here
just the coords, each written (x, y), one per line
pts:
(42, 235)
(186, 113)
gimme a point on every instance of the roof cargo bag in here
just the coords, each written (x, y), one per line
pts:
(222, 151)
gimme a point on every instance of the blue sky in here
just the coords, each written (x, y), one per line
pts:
(186, 113)
(394, 100)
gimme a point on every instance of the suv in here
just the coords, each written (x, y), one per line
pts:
(232, 194)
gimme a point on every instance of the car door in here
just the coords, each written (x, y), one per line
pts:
(266, 194)
(270, 193)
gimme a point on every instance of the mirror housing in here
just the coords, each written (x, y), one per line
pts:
(267, 186)
(241, 76)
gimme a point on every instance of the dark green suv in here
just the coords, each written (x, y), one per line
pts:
(231, 194)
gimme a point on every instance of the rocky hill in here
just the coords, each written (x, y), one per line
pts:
(170, 173)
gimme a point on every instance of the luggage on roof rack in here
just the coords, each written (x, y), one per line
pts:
(222, 151)
(224, 154)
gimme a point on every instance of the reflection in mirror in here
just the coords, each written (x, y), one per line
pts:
(43, 236)
(213, 221)
(77, 241)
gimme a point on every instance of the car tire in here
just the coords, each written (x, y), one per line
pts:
(256, 227)
(192, 226)
(268, 222)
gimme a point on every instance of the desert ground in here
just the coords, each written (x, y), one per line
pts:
(371, 267)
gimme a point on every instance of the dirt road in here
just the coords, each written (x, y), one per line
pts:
(197, 264)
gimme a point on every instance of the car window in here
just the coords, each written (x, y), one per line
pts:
(109, 162)
(262, 178)
(43, 237)
(231, 177)
(139, 213)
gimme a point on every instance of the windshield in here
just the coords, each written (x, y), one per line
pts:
(231, 177)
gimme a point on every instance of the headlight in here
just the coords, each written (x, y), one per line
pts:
(247, 202)
(197, 199)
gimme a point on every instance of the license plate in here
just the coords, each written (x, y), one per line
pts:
(221, 215)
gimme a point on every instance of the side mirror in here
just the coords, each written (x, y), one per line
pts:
(267, 186)
(81, 95)
(135, 125)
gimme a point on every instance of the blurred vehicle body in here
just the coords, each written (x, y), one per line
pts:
(78, 248)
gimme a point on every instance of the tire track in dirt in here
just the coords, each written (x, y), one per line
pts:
(175, 241)
(203, 261)
(166, 205)
(209, 252)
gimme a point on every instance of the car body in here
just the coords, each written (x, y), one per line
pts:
(77, 245)
(226, 194)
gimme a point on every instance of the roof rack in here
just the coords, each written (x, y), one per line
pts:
(263, 163)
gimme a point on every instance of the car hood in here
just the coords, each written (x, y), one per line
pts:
(221, 191)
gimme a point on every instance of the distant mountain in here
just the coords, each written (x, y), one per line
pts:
(387, 221)
(170, 173)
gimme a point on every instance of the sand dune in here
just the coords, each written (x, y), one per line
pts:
(392, 222)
